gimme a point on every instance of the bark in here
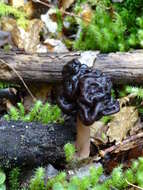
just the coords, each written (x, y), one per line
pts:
(122, 67)
(31, 144)
(33, 68)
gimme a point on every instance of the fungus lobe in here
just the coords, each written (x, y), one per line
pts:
(86, 93)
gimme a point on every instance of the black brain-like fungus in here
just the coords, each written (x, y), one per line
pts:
(86, 93)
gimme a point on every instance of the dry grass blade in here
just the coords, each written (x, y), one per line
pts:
(137, 187)
(25, 85)
(62, 11)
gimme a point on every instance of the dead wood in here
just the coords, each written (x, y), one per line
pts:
(122, 67)
(31, 144)
(127, 144)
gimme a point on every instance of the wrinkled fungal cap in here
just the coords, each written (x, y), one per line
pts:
(86, 93)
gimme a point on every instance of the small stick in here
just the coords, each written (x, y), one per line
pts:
(114, 147)
(13, 69)
(62, 11)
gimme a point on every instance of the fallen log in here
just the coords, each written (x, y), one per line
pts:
(122, 67)
(31, 144)
(33, 68)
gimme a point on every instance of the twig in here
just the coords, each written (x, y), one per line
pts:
(28, 90)
(114, 147)
(62, 11)
(133, 185)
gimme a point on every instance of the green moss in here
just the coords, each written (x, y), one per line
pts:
(113, 27)
(2, 180)
(19, 15)
(102, 33)
(106, 119)
(59, 20)
(37, 182)
(14, 179)
(6, 10)
(69, 150)
(118, 179)
(44, 113)
(137, 91)
(4, 84)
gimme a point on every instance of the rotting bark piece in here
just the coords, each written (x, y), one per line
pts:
(122, 123)
(31, 144)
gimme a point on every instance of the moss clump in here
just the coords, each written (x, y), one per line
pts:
(19, 15)
(118, 179)
(37, 182)
(14, 179)
(2, 180)
(113, 27)
(103, 32)
(44, 113)
(69, 150)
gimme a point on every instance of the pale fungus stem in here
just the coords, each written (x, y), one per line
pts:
(82, 140)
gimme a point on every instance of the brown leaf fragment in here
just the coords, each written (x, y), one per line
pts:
(29, 9)
(122, 123)
(86, 14)
(65, 4)
(8, 24)
(54, 45)
(34, 9)
(9, 105)
(27, 39)
(98, 133)
(50, 21)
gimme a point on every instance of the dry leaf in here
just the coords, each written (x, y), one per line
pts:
(65, 4)
(98, 133)
(86, 14)
(50, 24)
(122, 123)
(55, 46)
(30, 38)
(34, 9)
(9, 105)
(24, 39)
(8, 24)
(29, 9)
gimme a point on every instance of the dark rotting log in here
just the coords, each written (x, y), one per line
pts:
(32, 144)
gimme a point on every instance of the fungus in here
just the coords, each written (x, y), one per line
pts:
(87, 95)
